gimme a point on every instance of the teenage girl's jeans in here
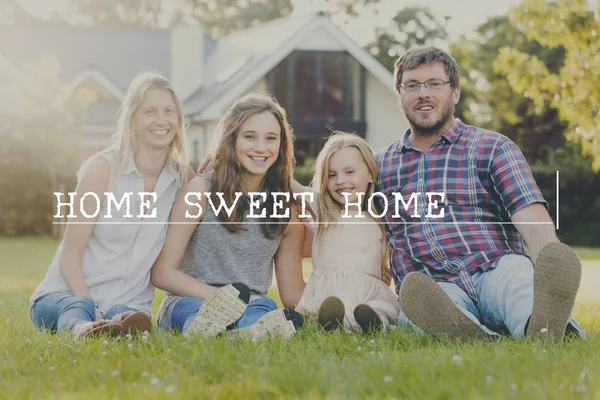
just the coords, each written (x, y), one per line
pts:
(185, 311)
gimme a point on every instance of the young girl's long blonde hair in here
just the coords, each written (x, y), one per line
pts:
(330, 210)
(123, 143)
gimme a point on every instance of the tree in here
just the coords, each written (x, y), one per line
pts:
(412, 26)
(346, 10)
(488, 100)
(12, 12)
(218, 17)
(39, 146)
(571, 25)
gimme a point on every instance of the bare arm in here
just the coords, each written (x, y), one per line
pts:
(165, 272)
(535, 235)
(309, 229)
(94, 179)
(288, 263)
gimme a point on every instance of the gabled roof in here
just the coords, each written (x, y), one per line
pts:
(118, 52)
(258, 50)
(232, 64)
(102, 80)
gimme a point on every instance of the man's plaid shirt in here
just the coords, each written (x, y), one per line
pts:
(485, 179)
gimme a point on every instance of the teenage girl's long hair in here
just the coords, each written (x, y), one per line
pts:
(227, 169)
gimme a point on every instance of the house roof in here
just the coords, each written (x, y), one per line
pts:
(246, 56)
(118, 52)
(232, 64)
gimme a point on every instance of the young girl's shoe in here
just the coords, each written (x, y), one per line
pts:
(331, 313)
(222, 308)
(369, 320)
(280, 322)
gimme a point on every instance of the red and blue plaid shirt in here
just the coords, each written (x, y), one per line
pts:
(485, 179)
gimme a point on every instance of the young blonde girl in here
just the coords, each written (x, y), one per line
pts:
(349, 285)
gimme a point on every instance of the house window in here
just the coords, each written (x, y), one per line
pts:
(336, 90)
(314, 85)
(306, 80)
(321, 91)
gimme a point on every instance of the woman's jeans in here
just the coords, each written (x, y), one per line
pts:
(61, 311)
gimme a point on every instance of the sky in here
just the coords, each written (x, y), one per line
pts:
(464, 15)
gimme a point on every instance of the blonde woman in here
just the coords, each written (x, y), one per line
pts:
(212, 265)
(99, 279)
(349, 285)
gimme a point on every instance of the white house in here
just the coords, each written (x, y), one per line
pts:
(323, 79)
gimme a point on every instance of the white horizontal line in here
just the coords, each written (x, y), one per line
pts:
(300, 223)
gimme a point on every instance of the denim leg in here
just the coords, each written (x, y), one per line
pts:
(184, 312)
(60, 311)
(116, 310)
(256, 309)
(506, 295)
(404, 322)
(460, 299)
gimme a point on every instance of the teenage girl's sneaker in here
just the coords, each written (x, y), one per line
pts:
(222, 308)
(331, 313)
(280, 322)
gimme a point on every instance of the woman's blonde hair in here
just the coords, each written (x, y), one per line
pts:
(227, 168)
(328, 208)
(124, 143)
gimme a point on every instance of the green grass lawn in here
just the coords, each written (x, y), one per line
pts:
(314, 365)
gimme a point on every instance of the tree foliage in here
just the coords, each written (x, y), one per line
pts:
(39, 146)
(219, 17)
(571, 25)
(411, 26)
(488, 100)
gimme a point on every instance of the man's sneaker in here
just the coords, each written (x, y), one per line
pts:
(369, 320)
(427, 305)
(556, 279)
(223, 307)
(331, 313)
(280, 322)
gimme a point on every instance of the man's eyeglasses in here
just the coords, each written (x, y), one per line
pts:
(433, 84)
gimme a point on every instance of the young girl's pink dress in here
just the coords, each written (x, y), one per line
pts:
(347, 264)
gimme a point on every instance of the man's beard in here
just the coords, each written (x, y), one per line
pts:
(430, 130)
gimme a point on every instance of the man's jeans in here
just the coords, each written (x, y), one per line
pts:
(505, 296)
(185, 311)
(60, 311)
